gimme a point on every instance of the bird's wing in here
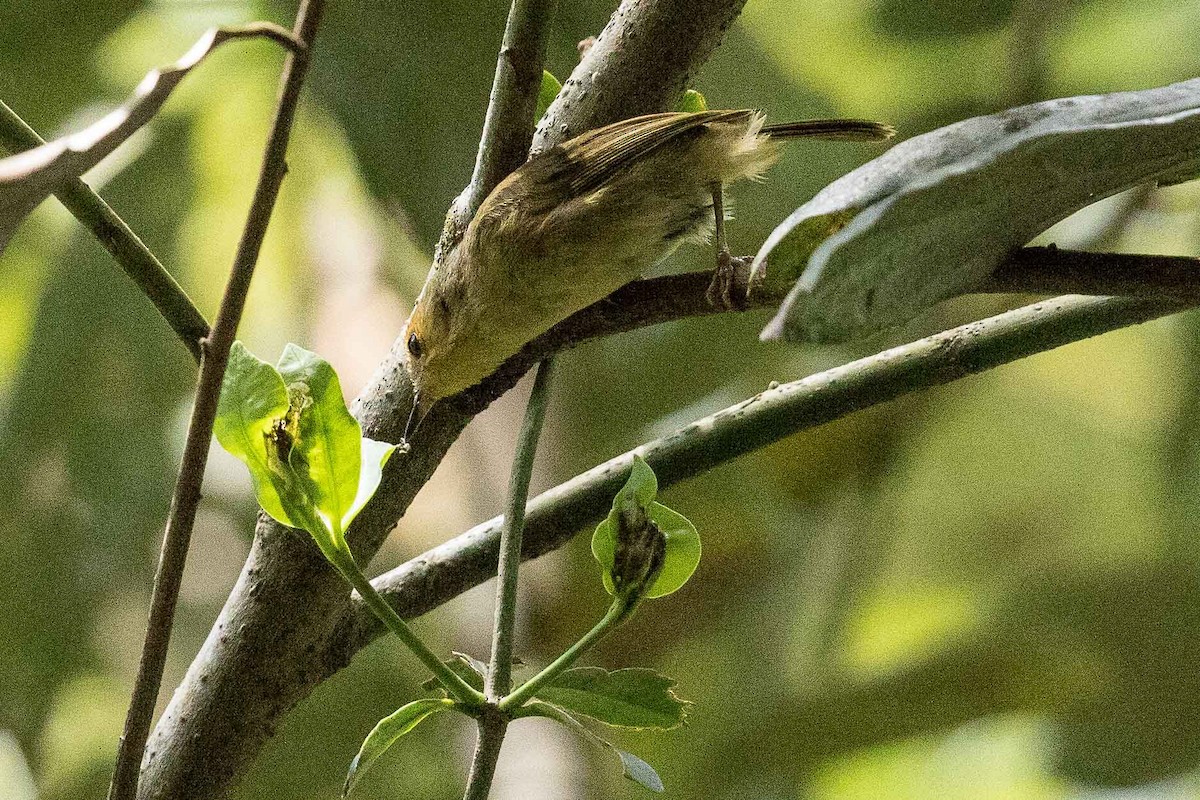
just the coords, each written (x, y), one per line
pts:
(590, 160)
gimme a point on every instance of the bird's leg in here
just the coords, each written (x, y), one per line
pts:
(725, 291)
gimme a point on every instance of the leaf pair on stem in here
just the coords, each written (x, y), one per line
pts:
(313, 469)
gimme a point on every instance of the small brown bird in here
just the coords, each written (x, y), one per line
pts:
(580, 220)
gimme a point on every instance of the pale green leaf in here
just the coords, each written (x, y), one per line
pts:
(682, 539)
(641, 487)
(549, 90)
(390, 729)
(253, 398)
(327, 455)
(683, 550)
(692, 101)
(374, 456)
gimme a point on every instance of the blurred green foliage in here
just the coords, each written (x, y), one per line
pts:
(988, 590)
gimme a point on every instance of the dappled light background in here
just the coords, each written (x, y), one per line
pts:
(988, 590)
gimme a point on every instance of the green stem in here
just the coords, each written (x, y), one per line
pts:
(618, 612)
(500, 672)
(348, 567)
(492, 727)
(133, 256)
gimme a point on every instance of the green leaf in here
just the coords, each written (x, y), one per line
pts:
(327, 455)
(683, 550)
(374, 456)
(642, 484)
(546, 94)
(683, 541)
(311, 466)
(470, 669)
(625, 698)
(641, 487)
(634, 768)
(253, 398)
(937, 213)
(692, 101)
(385, 734)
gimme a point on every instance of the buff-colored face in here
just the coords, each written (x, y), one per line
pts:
(425, 343)
(445, 351)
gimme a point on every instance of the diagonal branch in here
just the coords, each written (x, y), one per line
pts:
(554, 517)
(214, 355)
(129, 251)
(639, 64)
(1032, 270)
(508, 127)
(38, 169)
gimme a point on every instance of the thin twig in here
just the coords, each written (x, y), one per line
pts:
(129, 251)
(499, 679)
(500, 672)
(215, 354)
(489, 739)
(552, 519)
(504, 146)
(508, 126)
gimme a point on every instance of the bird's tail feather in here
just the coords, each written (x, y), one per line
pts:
(860, 130)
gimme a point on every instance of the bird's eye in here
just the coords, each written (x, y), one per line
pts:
(414, 346)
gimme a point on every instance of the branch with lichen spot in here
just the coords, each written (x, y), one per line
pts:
(554, 517)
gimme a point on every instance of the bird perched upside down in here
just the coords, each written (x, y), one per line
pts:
(579, 221)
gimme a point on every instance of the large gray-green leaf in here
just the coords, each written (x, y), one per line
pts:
(28, 178)
(936, 214)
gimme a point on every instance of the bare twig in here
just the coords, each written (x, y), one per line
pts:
(508, 127)
(499, 681)
(214, 355)
(1048, 270)
(493, 723)
(133, 256)
(489, 739)
(553, 517)
(504, 146)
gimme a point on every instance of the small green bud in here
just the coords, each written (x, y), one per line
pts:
(640, 552)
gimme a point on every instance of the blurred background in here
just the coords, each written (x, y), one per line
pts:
(990, 590)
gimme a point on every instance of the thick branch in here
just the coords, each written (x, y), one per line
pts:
(133, 256)
(1048, 270)
(555, 516)
(640, 63)
(215, 354)
(1033, 270)
(268, 649)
